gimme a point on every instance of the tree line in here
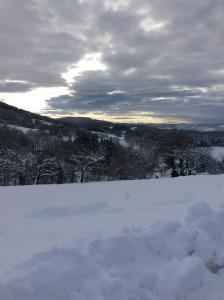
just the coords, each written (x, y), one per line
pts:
(38, 157)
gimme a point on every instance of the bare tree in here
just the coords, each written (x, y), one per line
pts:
(46, 169)
(85, 161)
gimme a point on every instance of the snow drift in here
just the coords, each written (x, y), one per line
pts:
(178, 260)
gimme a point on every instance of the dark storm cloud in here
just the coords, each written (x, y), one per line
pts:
(162, 56)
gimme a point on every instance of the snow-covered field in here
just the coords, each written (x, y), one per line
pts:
(128, 240)
(217, 152)
(23, 129)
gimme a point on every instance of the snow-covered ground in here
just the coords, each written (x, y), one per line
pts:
(107, 136)
(128, 240)
(217, 152)
(23, 129)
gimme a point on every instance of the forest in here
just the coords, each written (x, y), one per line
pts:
(47, 157)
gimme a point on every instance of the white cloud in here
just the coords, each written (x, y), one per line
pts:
(148, 24)
(90, 62)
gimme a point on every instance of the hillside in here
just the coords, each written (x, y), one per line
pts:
(115, 240)
(194, 127)
(40, 150)
(13, 115)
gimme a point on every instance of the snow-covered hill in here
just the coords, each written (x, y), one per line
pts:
(127, 240)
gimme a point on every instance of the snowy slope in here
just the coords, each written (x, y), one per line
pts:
(127, 240)
(21, 128)
(217, 152)
(108, 136)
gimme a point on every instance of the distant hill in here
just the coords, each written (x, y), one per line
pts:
(15, 116)
(19, 117)
(39, 150)
(194, 127)
(96, 125)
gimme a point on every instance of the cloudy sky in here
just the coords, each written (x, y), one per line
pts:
(121, 60)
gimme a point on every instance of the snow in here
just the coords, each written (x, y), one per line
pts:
(21, 128)
(46, 123)
(107, 136)
(68, 138)
(128, 240)
(122, 141)
(217, 152)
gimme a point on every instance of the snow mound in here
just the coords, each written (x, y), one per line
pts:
(178, 260)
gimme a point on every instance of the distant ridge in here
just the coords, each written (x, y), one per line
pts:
(12, 115)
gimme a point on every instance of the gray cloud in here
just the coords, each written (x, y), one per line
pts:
(14, 86)
(32, 49)
(165, 57)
